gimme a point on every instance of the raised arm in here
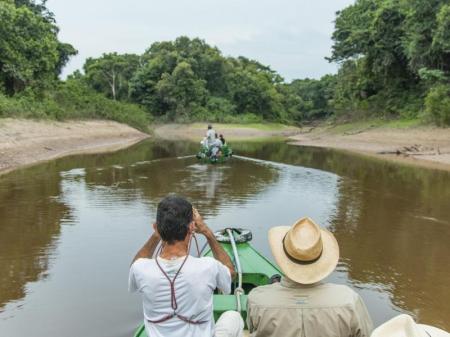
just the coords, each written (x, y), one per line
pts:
(218, 252)
(149, 247)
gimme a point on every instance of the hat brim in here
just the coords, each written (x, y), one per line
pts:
(304, 273)
(433, 331)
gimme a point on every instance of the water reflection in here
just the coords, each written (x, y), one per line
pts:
(393, 226)
(396, 233)
(68, 228)
(30, 214)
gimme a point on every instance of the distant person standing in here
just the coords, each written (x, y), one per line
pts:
(210, 135)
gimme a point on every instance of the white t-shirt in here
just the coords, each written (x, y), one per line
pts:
(211, 136)
(194, 289)
(218, 142)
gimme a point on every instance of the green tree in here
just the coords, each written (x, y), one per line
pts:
(437, 104)
(254, 88)
(441, 38)
(181, 91)
(111, 74)
(390, 52)
(420, 26)
(30, 53)
(315, 96)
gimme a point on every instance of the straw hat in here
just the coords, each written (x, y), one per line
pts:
(305, 253)
(404, 326)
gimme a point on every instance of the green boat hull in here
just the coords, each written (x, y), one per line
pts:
(204, 155)
(256, 271)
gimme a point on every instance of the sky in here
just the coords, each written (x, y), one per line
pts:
(291, 36)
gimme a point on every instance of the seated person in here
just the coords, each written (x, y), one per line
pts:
(404, 326)
(216, 146)
(176, 288)
(301, 305)
(222, 139)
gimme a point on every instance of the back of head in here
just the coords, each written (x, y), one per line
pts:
(173, 217)
(209, 127)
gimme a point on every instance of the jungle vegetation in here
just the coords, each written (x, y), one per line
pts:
(393, 56)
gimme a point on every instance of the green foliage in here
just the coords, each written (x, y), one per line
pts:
(437, 104)
(391, 53)
(181, 91)
(111, 74)
(394, 58)
(30, 53)
(185, 79)
(72, 100)
(312, 98)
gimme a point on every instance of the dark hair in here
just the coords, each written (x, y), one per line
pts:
(173, 217)
(209, 126)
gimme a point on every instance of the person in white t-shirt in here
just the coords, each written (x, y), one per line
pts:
(216, 147)
(176, 288)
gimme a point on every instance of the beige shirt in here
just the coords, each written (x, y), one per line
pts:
(288, 309)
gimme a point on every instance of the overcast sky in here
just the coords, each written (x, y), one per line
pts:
(292, 36)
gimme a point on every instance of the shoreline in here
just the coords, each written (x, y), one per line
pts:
(27, 142)
(423, 146)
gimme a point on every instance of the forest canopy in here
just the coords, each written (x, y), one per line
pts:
(393, 57)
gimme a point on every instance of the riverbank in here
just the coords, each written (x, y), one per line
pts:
(412, 144)
(26, 142)
(235, 132)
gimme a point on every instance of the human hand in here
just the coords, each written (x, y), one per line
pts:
(200, 226)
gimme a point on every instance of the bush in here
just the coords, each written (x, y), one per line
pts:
(73, 100)
(437, 104)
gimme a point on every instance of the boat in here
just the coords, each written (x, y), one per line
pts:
(252, 269)
(204, 155)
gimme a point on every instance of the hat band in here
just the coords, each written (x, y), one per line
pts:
(293, 259)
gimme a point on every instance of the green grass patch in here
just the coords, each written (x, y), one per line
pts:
(256, 126)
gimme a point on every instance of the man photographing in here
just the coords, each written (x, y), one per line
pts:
(177, 289)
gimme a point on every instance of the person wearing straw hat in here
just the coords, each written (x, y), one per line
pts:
(301, 304)
(404, 326)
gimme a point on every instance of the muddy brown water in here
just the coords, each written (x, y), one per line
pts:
(69, 228)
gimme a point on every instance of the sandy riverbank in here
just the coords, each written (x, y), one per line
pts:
(420, 145)
(26, 142)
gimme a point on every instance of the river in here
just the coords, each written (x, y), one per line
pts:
(69, 228)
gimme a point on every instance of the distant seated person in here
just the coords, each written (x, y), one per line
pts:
(217, 145)
(222, 139)
(301, 304)
(404, 326)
